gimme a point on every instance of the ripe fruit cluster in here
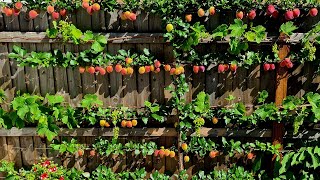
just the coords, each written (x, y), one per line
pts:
(90, 8)
(184, 146)
(127, 15)
(289, 14)
(104, 123)
(225, 67)
(201, 13)
(213, 154)
(15, 10)
(273, 12)
(177, 70)
(269, 67)
(128, 123)
(286, 63)
(197, 69)
(151, 68)
(55, 14)
(164, 153)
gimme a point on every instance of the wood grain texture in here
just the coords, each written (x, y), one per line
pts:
(129, 84)
(113, 37)
(17, 73)
(116, 87)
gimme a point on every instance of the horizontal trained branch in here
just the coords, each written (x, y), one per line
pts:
(134, 38)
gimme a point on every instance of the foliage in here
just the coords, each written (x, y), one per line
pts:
(70, 32)
(85, 58)
(287, 28)
(184, 37)
(306, 159)
(106, 147)
(43, 170)
(66, 147)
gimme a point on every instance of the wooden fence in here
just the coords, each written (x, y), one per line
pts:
(24, 147)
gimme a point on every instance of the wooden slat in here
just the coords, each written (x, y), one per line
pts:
(157, 79)
(305, 134)
(17, 73)
(129, 84)
(126, 25)
(41, 23)
(142, 22)
(5, 72)
(146, 132)
(60, 73)
(2, 23)
(32, 77)
(116, 94)
(13, 147)
(143, 82)
(125, 37)
(155, 23)
(3, 152)
(27, 151)
(73, 75)
(224, 132)
(211, 84)
(46, 74)
(98, 21)
(25, 23)
(112, 21)
(92, 162)
(11, 23)
(83, 20)
(88, 80)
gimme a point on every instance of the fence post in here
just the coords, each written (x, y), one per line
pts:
(281, 93)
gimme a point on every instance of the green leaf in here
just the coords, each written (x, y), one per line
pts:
(52, 32)
(145, 120)
(87, 36)
(221, 31)
(54, 99)
(101, 39)
(287, 28)
(237, 29)
(96, 46)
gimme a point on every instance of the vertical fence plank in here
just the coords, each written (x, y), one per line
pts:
(5, 72)
(129, 84)
(27, 149)
(83, 20)
(3, 152)
(112, 21)
(116, 94)
(143, 80)
(157, 79)
(17, 73)
(126, 26)
(14, 153)
(31, 73)
(142, 22)
(46, 74)
(280, 94)
(40, 149)
(160, 163)
(11, 23)
(88, 80)
(168, 58)
(92, 162)
(98, 21)
(73, 75)
(60, 73)
(155, 23)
